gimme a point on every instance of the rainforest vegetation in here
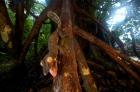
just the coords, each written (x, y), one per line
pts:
(69, 46)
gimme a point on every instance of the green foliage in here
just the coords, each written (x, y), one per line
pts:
(44, 34)
(29, 4)
(42, 40)
(37, 8)
(12, 16)
(106, 10)
(103, 7)
(28, 26)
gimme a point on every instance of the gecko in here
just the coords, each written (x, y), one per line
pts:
(50, 61)
(54, 17)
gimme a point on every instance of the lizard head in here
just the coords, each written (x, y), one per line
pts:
(49, 65)
(53, 68)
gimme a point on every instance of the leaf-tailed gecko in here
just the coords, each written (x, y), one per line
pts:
(49, 62)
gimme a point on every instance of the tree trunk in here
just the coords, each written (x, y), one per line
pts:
(67, 79)
(6, 27)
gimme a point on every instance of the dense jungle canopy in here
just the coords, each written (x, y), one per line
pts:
(69, 46)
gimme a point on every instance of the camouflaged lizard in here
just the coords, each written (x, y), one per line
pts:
(49, 62)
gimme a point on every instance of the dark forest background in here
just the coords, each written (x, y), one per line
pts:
(95, 43)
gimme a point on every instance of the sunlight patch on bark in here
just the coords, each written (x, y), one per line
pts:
(5, 33)
(66, 74)
(85, 71)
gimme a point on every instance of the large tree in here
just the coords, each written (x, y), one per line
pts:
(79, 55)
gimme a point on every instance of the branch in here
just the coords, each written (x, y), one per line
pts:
(36, 28)
(118, 41)
(35, 16)
(6, 25)
(68, 74)
(32, 14)
(119, 58)
(88, 81)
(34, 31)
(77, 9)
(134, 44)
(19, 27)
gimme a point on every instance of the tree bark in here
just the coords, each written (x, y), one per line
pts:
(67, 79)
(102, 28)
(119, 58)
(19, 27)
(6, 27)
(88, 81)
(36, 27)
